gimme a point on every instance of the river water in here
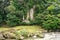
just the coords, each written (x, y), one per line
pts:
(48, 36)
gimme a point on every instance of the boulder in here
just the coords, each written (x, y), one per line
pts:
(41, 35)
(34, 36)
(21, 37)
(10, 39)
(1, 36)
(9, 35)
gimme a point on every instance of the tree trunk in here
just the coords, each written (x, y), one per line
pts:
(23, 18)
(28, 14)
(32, 13)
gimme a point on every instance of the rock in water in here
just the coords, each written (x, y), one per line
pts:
(21, 37)
(9, 35)
(1, 37)
(34, 36)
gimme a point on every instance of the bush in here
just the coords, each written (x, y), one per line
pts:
(12, 20)
(51, 7)
(22, 32)
(14, 17)
(39, 19)
(58, 15)
(49, 22)
(1, 19)
(50, 25)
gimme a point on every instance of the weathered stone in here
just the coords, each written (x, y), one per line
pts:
(31, 34)
(21, 37)
(9, 35)
(41, 35)
(34, 36)
(12, 30)
(1, 36)
(28, 35)
(10, 39)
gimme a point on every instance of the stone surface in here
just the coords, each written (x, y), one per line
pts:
(47, 36)
(10, 39)
(21, 37)
(9, 35)
(1, 37)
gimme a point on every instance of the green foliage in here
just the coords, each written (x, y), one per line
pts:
(10, 8)
(52, 7)
(58, 15)
(39, 19)
(14, 17)
(22, 32)
(12, 21)
(1, 20)
(49, 22)
(46, 13)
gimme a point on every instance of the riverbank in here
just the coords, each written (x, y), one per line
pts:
(21, 32)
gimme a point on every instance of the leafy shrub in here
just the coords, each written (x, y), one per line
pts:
(59, 23)
(51, 7)
(49, 22)
(0, 18)
(14, 17)
(50, 25)
(25, 23)
(12, 21)
(39, 19)
(22, 32)
(58, 15)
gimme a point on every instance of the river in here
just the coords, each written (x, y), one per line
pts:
(48, 36)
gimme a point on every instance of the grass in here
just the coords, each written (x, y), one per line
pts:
(30, 29)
